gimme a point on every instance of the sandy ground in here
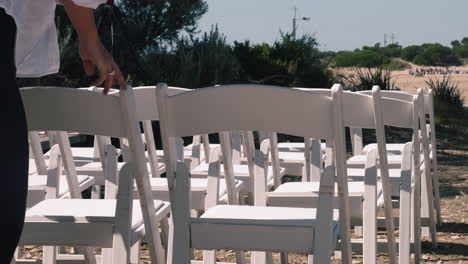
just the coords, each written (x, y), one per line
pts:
(410, 83)
(406, 82)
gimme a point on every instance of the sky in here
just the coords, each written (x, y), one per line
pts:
(341, 25)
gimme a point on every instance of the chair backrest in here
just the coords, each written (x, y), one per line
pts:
(147, 111)
(364, 109)
(399, 95)
(364, 118)
(87, 112)
(256, 108)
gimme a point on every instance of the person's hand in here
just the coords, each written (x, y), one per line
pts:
(93, 53)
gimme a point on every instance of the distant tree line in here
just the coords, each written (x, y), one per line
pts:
(428, 54)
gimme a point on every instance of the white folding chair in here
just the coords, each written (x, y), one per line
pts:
(146, 112)
(242, 171)
(84, 222)
(258, 228)
(37, 182)
(430, 198)
(429, 98)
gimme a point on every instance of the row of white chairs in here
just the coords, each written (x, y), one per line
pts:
(298, 217)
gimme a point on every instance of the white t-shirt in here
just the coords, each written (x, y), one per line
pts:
(37, 52)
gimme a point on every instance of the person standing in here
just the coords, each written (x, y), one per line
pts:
(29, 48)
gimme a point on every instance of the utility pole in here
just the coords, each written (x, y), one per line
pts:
(294, 22)
(393, 38)
(385, 39)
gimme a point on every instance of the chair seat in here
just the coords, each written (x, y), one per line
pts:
(95, 169)
(357, 174)
(160, 154)
(241, 172)
(392, 148)
(268, 228)
(82, 210)
(77, 222)
(187, 157)
(305, 195)
(291, 157)
(286, 156)
(81, 155)
(263, 215)
(394, 161)
(296, 147)
(292, 161)
(196, 184)
(354, 188)
(199, 186)
(39, 182)
(190, 147)
(32, 166)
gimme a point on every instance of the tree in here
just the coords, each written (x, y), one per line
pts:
(368, 57)
(437, 55)
(132, 30)
(200, 62)
(392, 50)
(455, 44)
(288, 62)
(410, 52)
(301, 60)
(464, 41)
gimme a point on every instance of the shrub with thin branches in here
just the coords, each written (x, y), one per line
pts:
(364, 78)
(448, 100)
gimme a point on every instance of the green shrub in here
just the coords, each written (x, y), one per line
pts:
(448, 100)
(288, 62)
(396, 65)
(367, 57)
(410, 52)
(436, 55)
(364, 79)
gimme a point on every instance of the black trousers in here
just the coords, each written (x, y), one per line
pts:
(13, 144)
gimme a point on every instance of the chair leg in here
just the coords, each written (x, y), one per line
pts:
(416, 218)
(209, 257)
(284, 258)
(135, 253)
(269, 257)
(88, 254)
(369, 218)
(159, 249)
(405, 221)
(165, 233)
(106, 256)
(258, 257)
(49, 255)
(437, 196)
(180, 236)
(96, 192)
(170, 241)
(429, 202)
(240, 257)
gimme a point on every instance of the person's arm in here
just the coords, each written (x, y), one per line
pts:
(92, 51)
